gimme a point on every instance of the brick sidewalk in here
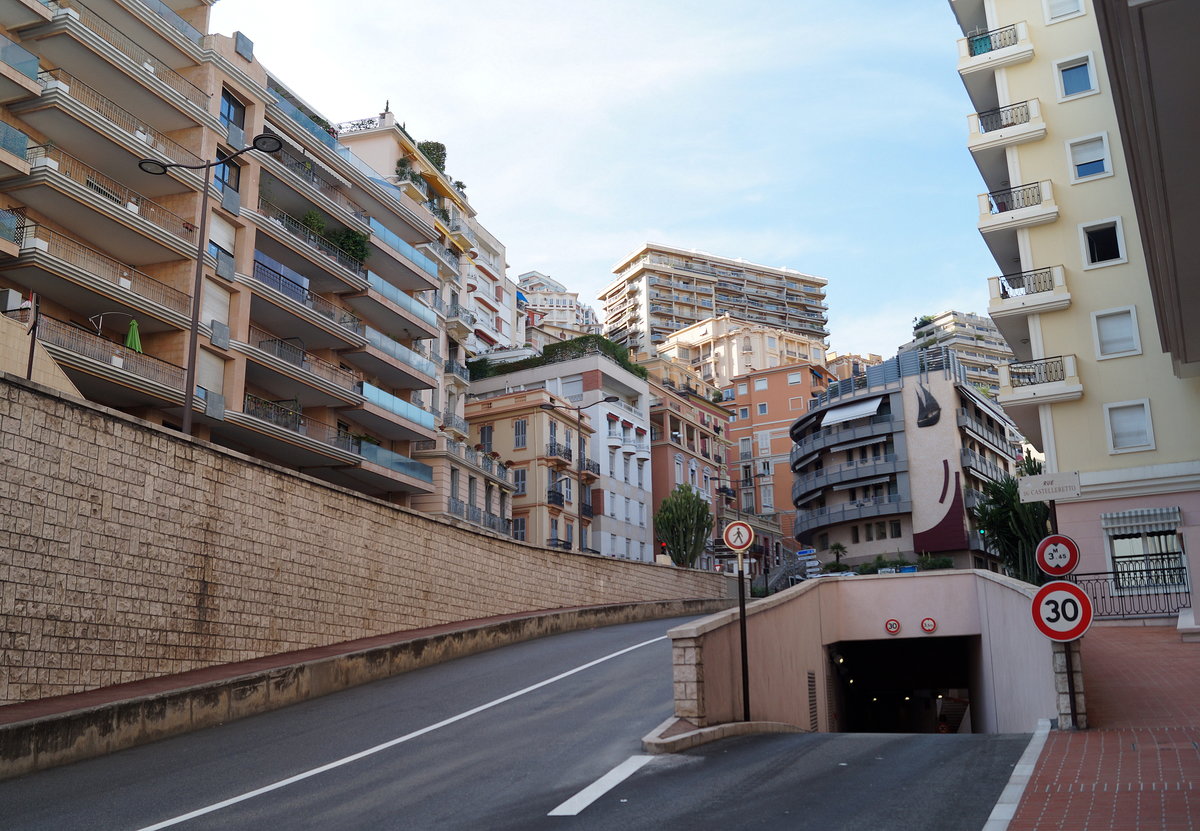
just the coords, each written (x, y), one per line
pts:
(1138, 766)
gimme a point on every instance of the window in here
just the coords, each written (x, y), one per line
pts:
(233, 111)
(853, 534)
(1089, 158)
(746, 347)
(762, 409)
(1058, 10)
(642, 474)
(520, 431)
(485, 437)
(795, 378)
(570, 537)
(678, 470)
(760, 384)
(566, 488)
(518, 531)
(228, 175)
(766, 496)
(743, 412)
(1144, 545)
(1129, 427)
(772, 343)
(1103, 243)
(823, 542)
(519, 474)
(881, 530)
(1076, 77)
(745, 447)
(743, 388)
(895, 529)
(727, 394)
(1115, 332)
(554, 530)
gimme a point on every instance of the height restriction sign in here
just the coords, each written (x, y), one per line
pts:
(1062, 611)
(1057, 555)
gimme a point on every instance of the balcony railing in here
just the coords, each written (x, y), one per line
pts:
(986, 42)
(1001, 117)
(1044, 371)
(291, 419)
(455, 310)
(322, 134)
(306, 170)
(138, 55)
(342, 317)
(394, 242)
(119, 117)
(13, 140)
(311, 238)
(54, 332)
(554, 542)
(1153, 586)
(168, 14)
(559, 450)
(555, 497)
(296, 355)
(19, 58)
(457, 369)
(448, 257)
(454, 421)
(1012, 199)
(456, 507)
(474, 514)
(111, 190)
(497, 523)
(405, 301)
(1026, 282)
(398, 406)
(417, 181)
(394, 461)
(591, 466)
(586, 510)
(400, 352)
(106, 268)
(991, 470)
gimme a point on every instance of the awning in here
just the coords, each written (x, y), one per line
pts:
(1141, 521)
(858, 483)
(850, 445)
(849, 412)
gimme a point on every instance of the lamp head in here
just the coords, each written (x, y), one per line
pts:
(548, 406)
(152, 166)
(611, 399)
(267, 143)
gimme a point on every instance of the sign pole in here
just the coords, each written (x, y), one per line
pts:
(742, 620)
(1071, 684)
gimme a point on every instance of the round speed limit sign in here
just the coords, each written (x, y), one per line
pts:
(1062, 611)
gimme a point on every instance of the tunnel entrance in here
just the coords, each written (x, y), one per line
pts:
(907, 685)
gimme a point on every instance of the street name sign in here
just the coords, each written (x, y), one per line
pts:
(1047, 486)
(1057, 555)
(1062, 611)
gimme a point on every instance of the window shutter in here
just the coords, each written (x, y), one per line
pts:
(215, 304)
(221, 231)
(1115, 333)
(1128, 425)
(1087, 151)
(1061, 8)
(210, 371)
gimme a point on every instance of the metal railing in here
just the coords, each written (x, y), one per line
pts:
(311, 238)
(560, 450)
(455, 310)
(554, 542)
(306, 170)
(112, 190)
(991, 470)
(555, 497)
(474, 514)
(339, 315)
(289, 418)
(1044, 371)
(985, 42)
(55, 332)
(106, 268)
(965, 419)
(586, 510)
(454, 421)
(1026, 282)
(119, 117)
(1011, 199)
(296, 355)
(1001, 117)
(590, 466)
(417, 180)
(455, 368)
(137, 54)
(445, 255)
(1158, 588)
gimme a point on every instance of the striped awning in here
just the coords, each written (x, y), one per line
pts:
(862, 443)
(849, 412)
(858, 483)
(1141, 521)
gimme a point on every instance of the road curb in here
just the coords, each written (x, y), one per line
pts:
(1006, 806)
(656, 742)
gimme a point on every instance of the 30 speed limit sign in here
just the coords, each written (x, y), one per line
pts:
(1062, 611)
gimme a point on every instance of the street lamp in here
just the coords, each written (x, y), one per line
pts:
(264, 143)
(608, 399)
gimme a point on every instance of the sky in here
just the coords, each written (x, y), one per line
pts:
(824, 137)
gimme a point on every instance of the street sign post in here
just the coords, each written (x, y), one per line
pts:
(739, 536)
(1062, 611)
(1048, 486)
(1057, 555)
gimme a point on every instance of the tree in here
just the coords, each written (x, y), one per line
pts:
(684, 523)
(838, 551)
(435, 151)
(1011, 527)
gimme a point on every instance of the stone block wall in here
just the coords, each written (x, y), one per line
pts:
(127, 551)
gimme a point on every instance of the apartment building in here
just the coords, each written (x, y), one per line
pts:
(1091, 387)
(535, 434)
(558, 311)
(720, 348)
(310, 326)
(689, 446)
(847, 365)
(613, 477)
(889, 463)
(980, 347)
(660, 289)
(765, 404)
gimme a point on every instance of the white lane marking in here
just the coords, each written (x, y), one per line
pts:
(600, 787)
(370, 751)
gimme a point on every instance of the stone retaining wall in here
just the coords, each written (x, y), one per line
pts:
(128, 551)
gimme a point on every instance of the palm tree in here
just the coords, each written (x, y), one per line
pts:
(838, 551)
(1011, 527)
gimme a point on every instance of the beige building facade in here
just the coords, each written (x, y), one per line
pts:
(1091, 386)
(980, 347)
(719, 348)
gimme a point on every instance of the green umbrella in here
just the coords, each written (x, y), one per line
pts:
(133, 340)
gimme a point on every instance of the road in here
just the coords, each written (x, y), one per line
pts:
(501, 740)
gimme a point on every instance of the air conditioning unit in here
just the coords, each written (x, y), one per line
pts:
(10, 300)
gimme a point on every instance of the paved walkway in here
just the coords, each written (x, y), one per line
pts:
(1138, 766)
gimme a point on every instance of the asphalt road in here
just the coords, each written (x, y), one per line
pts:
(499, 741)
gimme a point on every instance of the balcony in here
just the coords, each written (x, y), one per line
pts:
(1005, 126)
(458, 371)
(982, 467)
(460, 323)
(393, 417)
(877, 425)
(102, 210)
(107, 371)
(285, 305)
(1023, 206)
(988, 51)
(555, 497)
(850, 511)
(65, 271)
(13, 146)
(999, 441)
(1015, 296)
(285, 433)
(448, 259)
(393, 362)
(587, 511)
(399, 312)
(303, 176)
(16, 14)
(562, 545)
(453, 423)
(559, 452)
(399, 262)
(876, 466)
(101, 133)
(282, 368)
(497, 523)
(18, 72)
(87, 46)
(590, 467)
(395, 467)
(299, 247)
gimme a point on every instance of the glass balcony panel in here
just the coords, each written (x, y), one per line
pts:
(396, 405)
(401, 299)
(424, 263)
(394, 461)
(19, 58)
(400, 352)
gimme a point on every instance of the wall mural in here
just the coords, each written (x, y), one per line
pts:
(928, 410)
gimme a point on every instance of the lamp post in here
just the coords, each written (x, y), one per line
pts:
(264, 143)
(608, 399)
